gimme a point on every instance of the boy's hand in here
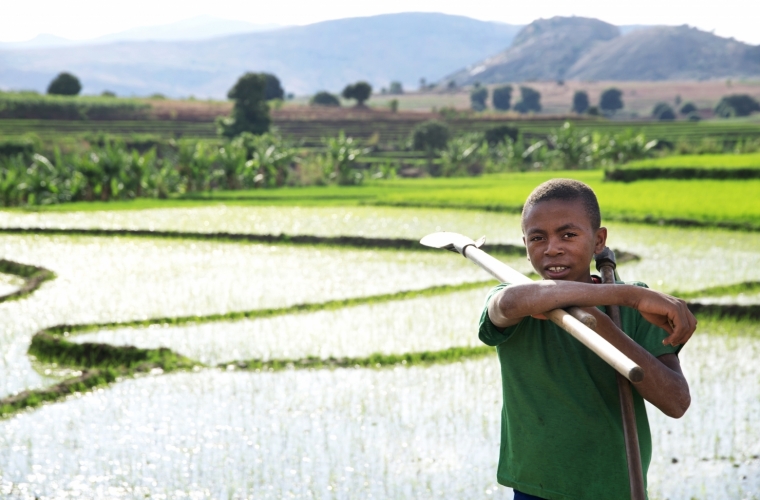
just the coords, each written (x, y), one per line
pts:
(669, 313)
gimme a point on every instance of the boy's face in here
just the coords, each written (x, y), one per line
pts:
(561, 241)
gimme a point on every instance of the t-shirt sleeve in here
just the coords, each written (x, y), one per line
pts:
(646, 334)
(489, 333)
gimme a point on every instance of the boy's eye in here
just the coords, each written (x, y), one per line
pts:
(570, 235)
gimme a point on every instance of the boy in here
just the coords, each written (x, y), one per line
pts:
(562, 434)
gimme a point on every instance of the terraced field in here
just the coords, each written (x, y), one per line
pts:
(342, 365)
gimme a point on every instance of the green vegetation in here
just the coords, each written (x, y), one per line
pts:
(719, 291)
(709, 203)
(273, 89)
(611, 100)
(30, 106)
(663, 112)
(64, 84)
(33, 276)
(250, 112)
(726, 166)
(530, 101)
(478, 98)
(325, 98)
(736, 105)
(360, 91)
(502, 97)
(580, 102)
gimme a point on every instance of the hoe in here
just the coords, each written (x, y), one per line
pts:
(577, 323)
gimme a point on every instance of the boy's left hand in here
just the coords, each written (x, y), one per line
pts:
(669, 313)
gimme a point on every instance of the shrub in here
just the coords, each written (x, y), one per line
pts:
(688, 108)
(430, 136)
(663, 112)
(611, 100)
(250, 112)
(502, 97)
(593, 111)
(530, 100)
(478, 98)
(65, 84)
(499, 134)
(736, 105)
(580, 102)
(360, 91)
(324, 98)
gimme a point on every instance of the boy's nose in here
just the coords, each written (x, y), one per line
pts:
(554, 247)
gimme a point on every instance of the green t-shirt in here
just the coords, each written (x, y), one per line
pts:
(561, 431)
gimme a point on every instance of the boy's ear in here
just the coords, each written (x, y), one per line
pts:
(525, 244)
(600, 240)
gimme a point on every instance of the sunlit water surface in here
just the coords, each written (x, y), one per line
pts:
(348, 433)
(119, 279)
(672, 258)
(413, 325)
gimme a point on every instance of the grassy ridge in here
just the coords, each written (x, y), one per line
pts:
(750, 160)
(727, 166)
(33, 276)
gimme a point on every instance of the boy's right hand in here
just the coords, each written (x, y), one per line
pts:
(669, 313)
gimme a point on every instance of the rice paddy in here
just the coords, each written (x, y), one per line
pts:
(415, 431)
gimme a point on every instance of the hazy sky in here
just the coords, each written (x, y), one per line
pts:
(80, 19)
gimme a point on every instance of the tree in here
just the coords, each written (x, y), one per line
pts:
(611, 100)
(430, 136)
(478, 98)
(580, 102)
(736, 105)
(396, 88)
(324, 98)
(64, 84)
(359, 91)
(273, 89)
(502, 97)
(663, 112)
(250, 112)
(688, 108)
(530, 100)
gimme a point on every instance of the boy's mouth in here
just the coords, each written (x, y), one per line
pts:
(556, 272)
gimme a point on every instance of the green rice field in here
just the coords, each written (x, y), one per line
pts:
(726, 203)
(751, 160)
(346, 365)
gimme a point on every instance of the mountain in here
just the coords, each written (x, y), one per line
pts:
(574, 48)
(544, 50)
(668, 53)
(196, 28)
(326, 55)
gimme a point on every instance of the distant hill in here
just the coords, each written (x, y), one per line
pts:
(195, 28)
(668, 53)
(587, 49)
(544, 50)
(327, 55)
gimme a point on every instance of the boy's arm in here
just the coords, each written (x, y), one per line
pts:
(664, 384)
(511, 304)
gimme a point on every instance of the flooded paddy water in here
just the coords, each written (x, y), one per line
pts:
(404, 432)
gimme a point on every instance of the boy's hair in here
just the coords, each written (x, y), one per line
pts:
(566, 190)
